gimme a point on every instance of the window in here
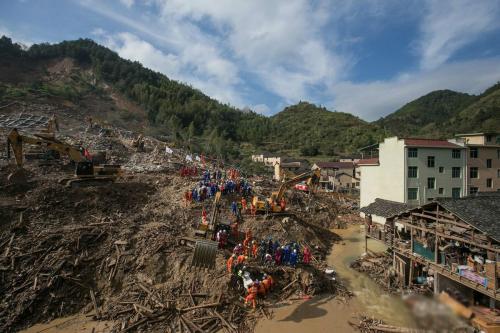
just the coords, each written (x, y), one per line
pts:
(412, 152)
(473, 172)
(455, 192)
(412, 193)
(455, 153)
(489, 183)
(455, 172)
(488, 163)
(473, 152)
(441, 190)
(431, 183)
(441, 169)
(473, 190)
(430, 161)
(412, 172)
(430, 199)
(488, 138)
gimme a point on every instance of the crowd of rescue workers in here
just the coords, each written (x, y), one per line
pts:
(263, 252)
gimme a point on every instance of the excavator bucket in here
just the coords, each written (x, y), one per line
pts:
(18, 177)
(204, 254)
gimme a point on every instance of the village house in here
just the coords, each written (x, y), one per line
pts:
(450, 246)
(290, 167)
(483, 161)
(413, 171)
(268, 159)
(459, 240)
(335, 175)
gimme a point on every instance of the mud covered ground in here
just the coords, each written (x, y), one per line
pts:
(112, 251)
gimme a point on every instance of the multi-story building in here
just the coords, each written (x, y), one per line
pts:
(483, 161)
(413, 171)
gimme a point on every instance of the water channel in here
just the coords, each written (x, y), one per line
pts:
(326, 314)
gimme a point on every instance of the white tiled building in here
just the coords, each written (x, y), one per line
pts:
(413, 171)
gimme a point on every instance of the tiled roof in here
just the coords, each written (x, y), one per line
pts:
(368, 161)
(335, 165)
(480, 211)
(414, 142)
(385, 208)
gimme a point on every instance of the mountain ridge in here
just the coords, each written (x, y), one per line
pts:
(201, 123)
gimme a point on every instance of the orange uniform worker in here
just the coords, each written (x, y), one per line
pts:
(267, 282)
(253, 210)
(252, 295)
(244, 204)
(204, 216)
(255, 249)
(230, 263)
(241, 259)
(248, 234)
(246, 245)
(261, 289)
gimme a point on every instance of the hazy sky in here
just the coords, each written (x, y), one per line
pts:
(363, 57)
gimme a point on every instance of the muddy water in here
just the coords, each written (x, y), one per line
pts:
(330, 315)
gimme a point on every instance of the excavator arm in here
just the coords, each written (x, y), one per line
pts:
(16, 141)
(310, 176)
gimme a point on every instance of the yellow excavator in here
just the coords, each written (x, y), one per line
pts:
(272, 204)
(205, 248)
(86, 173)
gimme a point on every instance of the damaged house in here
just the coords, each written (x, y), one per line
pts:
(453, 243)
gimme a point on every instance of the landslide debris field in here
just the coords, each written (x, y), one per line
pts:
(112, 252)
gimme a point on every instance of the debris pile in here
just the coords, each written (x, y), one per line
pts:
(379, 267)
(113, 251)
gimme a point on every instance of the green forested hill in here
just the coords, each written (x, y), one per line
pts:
(426, 112)
(443, 113)
(304, 126)
(200, 123)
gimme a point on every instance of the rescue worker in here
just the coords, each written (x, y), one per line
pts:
(223, 239)
(268, 260)
(278, 255)
(238, 249)
(254, 249)
(266, 282)
(293, 258)
(282, 204)
(230, 263)
(241, 259)
(244, 203)
(234, 208)
(204, 216)
(286, 254)
(261, 289)
(246, 245)
(306, 257)
(248, 234)
(239, 207)
(252, 295)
